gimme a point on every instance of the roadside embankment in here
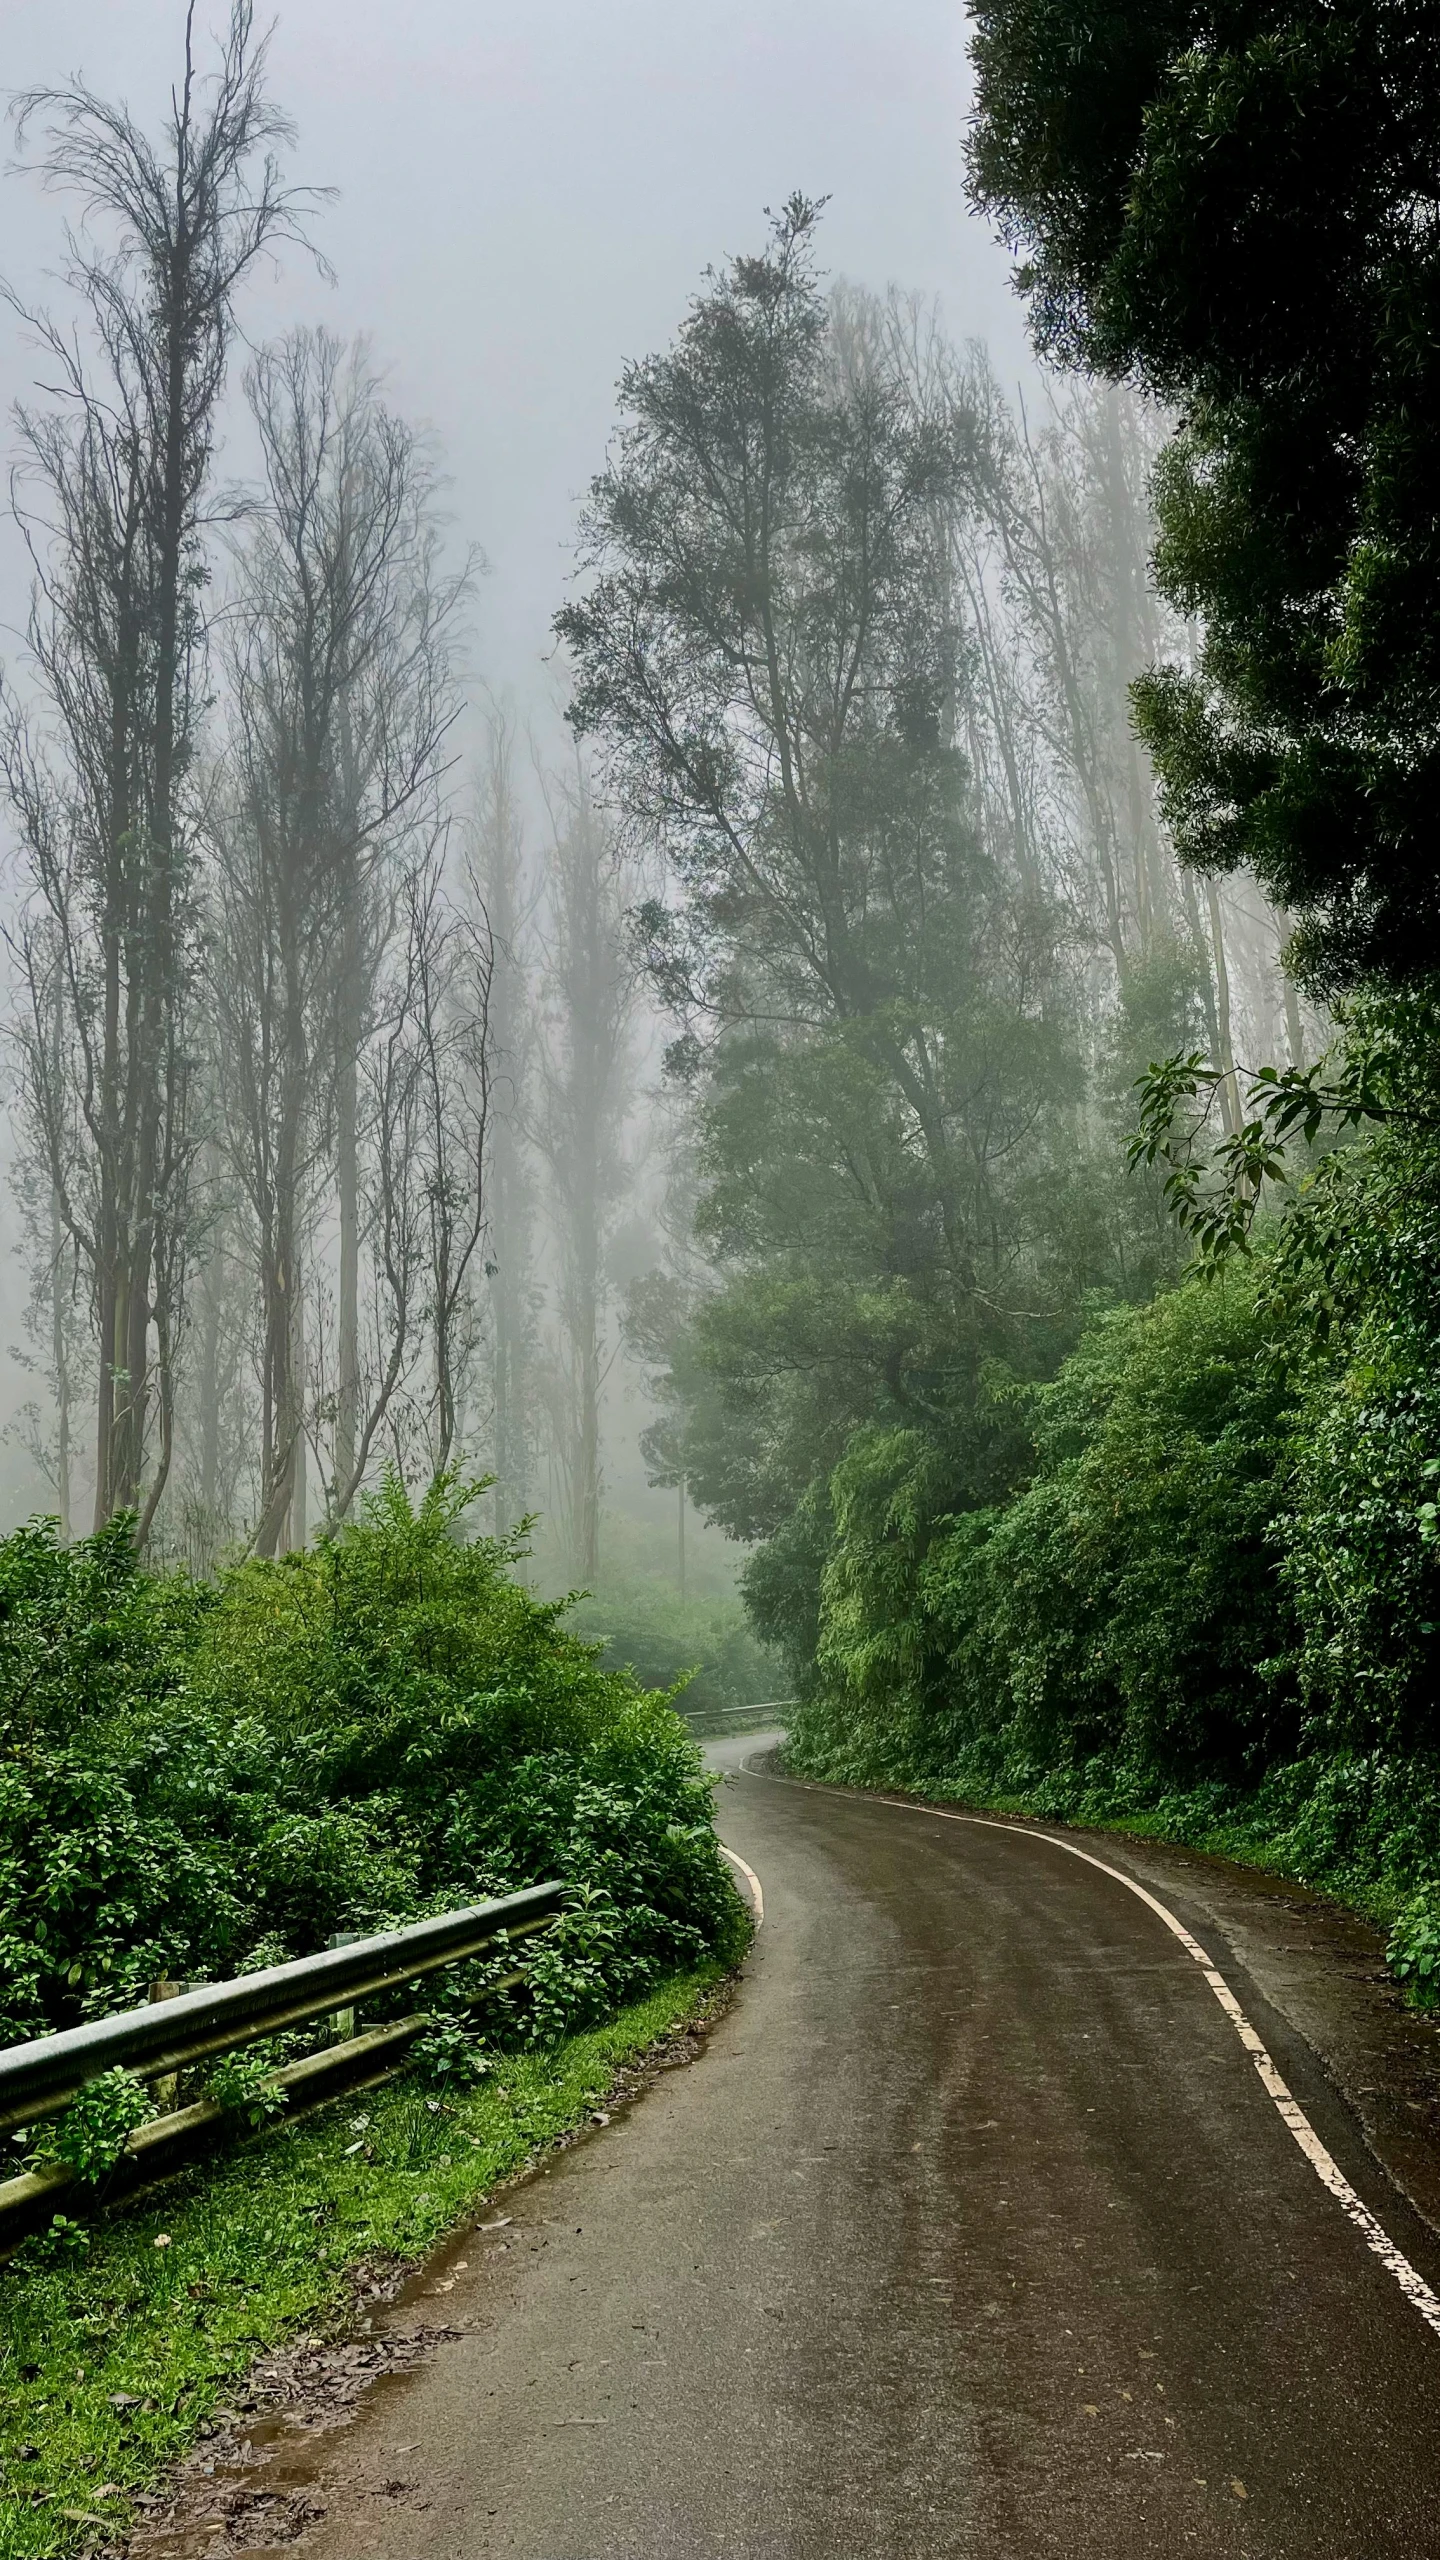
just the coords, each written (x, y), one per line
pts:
(118, 2344)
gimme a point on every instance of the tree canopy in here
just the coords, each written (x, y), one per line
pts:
(1239, 208)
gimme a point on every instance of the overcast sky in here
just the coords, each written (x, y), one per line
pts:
(528, 191)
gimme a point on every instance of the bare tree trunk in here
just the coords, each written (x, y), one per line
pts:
(347, 1183)
(498, 869)
(1294, 1028)
(585, 1076)
(298, 1535)
(117, 631)
(1200, 938)
(585, 1480)
(1224, 1053)
(208, 1390)
(59, 1353)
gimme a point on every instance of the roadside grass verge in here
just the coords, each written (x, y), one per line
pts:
(161, 2306)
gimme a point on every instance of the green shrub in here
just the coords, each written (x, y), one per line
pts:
(1414, 1948)
(1361, 1557)
(91, 2134)
(1124, 1608)
(385, 1725)
(449, 2055)
(244, 2084)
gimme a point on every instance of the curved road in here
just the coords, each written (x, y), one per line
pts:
(973, 2233)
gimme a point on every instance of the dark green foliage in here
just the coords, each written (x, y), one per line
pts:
(92, 2132)
(244, 2084)
(706, 1643)
(1213, 1607)
(449, 2056)
(1237, 210)
(1414, 1948)
(385, 1725)
(1124, 1607)
(1362, 1270)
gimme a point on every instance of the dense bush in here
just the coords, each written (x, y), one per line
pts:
(644, 1627)
(1361, 1554)
(1124, 1605)
(1212, 1602)
(384, 1725)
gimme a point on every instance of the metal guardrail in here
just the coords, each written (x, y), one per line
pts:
(40, 2078)
(706, 1722)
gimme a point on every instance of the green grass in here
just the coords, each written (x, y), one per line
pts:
(173, 2299)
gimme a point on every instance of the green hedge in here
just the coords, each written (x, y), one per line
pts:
(196, 1778)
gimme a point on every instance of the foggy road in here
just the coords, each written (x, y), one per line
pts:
(973, 2232)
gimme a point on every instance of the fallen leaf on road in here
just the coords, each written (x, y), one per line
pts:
(1239, 2488)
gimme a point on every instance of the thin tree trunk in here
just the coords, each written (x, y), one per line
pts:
(347, 1178)
(1294, 1028)
(62, 1367)
(1225, 1053)
(299, 1531)
(208, 1385)
(587, 1499)
(1207, 977)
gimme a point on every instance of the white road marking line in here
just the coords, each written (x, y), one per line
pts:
(1327, 2169)
(757, 1897)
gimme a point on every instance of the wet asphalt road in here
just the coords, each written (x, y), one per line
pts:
(973, 2232)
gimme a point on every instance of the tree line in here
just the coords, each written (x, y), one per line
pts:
(932, 789)
(854, 643)
(1050, 932)
(308, 1049)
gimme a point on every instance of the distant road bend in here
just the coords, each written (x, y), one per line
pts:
(976, 2232)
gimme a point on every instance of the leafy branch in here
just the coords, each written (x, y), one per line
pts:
(1213, 1189)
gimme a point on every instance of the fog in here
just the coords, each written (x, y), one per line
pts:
(528, 195)
(401, 1081)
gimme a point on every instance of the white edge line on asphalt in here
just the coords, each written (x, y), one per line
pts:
(1412, 2284)
(757, 1895)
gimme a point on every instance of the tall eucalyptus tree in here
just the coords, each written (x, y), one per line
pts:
(117, 498)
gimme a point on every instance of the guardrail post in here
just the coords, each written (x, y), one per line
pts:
(167, 2087)
(342, 2021)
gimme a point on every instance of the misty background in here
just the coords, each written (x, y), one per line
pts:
(523, 198)
(516, 205)
(528, 195)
